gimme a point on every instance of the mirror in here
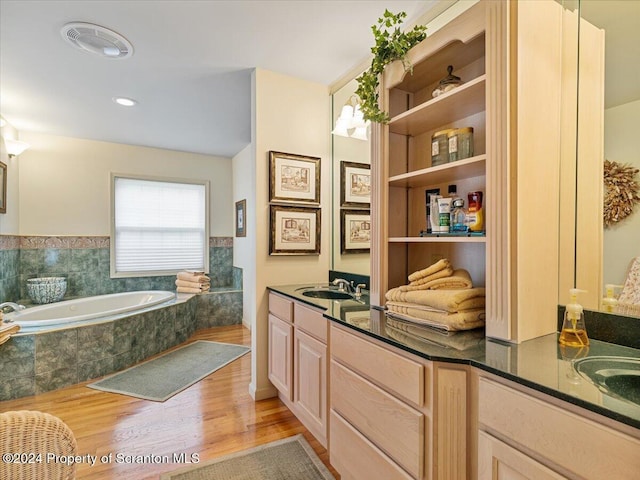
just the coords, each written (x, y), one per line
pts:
(620, 242)
(349, 193)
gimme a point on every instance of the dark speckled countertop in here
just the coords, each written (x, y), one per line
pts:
(539, 363)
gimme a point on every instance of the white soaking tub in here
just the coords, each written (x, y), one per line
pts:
(88, 308)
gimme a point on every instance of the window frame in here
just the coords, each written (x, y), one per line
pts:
(112, 214)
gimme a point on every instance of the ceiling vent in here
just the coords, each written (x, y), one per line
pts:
(97, 40)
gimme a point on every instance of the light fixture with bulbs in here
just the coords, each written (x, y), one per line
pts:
(351, 122)
(15, 147)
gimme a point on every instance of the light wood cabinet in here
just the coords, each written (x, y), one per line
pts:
(509, 56)
(526, 434)
(298, 361)
(375, 405)
(281, 356)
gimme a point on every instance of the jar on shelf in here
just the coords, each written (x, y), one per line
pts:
(460, 141)
(439, 147)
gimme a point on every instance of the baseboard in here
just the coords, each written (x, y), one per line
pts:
(262, 393)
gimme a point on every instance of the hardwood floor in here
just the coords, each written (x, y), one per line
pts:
(214, 417)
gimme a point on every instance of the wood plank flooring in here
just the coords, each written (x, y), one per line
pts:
(214, 417)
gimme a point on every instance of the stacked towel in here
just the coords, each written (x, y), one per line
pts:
(411, 333)
(439, 296)
(7, 329)
(192, 282)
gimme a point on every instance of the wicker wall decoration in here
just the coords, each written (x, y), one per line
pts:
(621, 191)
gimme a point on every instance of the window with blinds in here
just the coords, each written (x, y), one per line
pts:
(159, 227)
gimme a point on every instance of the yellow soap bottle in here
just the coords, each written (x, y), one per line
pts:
(574, 330)
(610, 301)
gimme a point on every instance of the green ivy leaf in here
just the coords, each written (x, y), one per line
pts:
(390, 44)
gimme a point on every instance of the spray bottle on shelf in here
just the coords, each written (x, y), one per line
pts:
(610, 301)
(574, 330)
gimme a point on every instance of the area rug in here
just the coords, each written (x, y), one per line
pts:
(287, 459)
(162, 377)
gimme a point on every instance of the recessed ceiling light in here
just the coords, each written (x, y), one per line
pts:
(124, 101)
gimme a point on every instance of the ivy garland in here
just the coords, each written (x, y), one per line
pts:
(390, 44)
(621, 191)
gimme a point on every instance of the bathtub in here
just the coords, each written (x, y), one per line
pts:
(88, 308)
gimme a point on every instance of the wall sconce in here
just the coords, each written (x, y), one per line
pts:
(15, 147)
(351, 121)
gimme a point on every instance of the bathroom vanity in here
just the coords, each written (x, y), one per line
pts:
(453, 406)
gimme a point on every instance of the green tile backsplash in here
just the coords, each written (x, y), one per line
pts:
(84, 261)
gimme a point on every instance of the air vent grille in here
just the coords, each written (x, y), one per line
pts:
(97, 40)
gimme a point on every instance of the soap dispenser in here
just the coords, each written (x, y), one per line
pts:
(574, 330)
(610, 301)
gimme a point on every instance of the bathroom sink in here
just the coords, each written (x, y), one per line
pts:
(329, 294)
(325, 292)
(618, 377)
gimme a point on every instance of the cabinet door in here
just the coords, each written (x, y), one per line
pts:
(280, 356)
(310, 384)
(499, 461)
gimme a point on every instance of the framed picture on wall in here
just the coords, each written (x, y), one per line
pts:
(241, 218)
(294, 178)
(355, 231)
(3, 188)
(294, 231)
(355, 185)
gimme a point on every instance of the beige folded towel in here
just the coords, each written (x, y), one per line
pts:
(430, 270)
(411, 332)
(459, 280)
(445, 272)
(465, 320)
(192, 290)
(184, 283)
(450, 301)
(197, 277)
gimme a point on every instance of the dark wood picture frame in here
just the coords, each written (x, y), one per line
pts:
(3, 187)
(355, 231)
(241, 218)
(355, 185)
(294, 230)
(294, 178)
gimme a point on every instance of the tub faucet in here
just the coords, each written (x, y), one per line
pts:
(14, 306)
(343, 285)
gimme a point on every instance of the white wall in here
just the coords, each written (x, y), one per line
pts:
(65, 182)
(291, 115)
(244, 248)
(9, 222)
(622, 240)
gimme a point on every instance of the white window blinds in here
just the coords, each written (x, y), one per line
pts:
(159, 226)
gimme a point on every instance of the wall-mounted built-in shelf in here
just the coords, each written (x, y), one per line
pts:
(476, 239)
(449, 172)
(463, 101)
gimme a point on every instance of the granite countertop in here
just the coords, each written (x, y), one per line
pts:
(540, 363)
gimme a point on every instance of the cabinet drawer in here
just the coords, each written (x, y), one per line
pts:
(311, 321)
(398, 374)
(581, 446)
(390, 424)
(357, 458)
(281, 307)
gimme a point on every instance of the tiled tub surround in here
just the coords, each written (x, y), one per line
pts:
(84, 261)
(9, 268)
(40, 362)
(35, 363)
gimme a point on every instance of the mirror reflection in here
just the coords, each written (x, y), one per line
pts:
(618, 266)
(351, 189)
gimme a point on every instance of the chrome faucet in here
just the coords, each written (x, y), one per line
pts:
(14, 306)
(343, 285)
(359, 288)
